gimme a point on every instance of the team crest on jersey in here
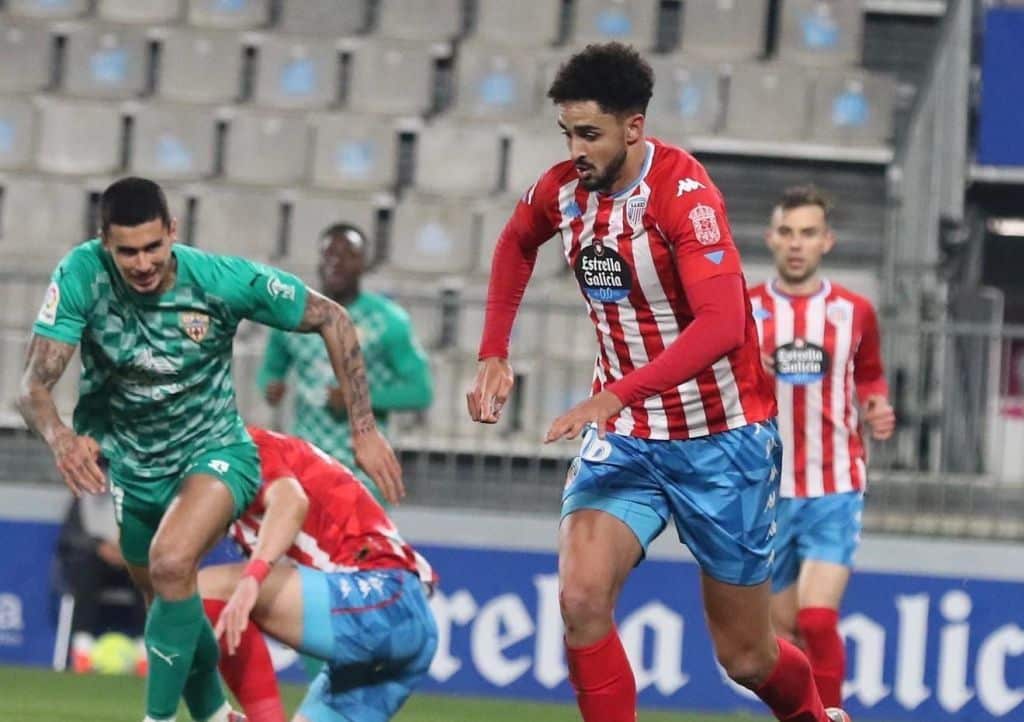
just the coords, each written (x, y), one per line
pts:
(195, 324)
(705, 224)
(635, 208)
(801, 362)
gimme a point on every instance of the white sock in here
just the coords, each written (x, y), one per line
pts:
(221, 715)
(153, 719)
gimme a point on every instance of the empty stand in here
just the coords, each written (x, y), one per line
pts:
(458, 158)
(48, 9)
(627, 21)
(234, 14)
(40, 220)
(174, 142)
(105, 61)
(821, 32)
(296, 72)
(525, 23)
(767, 102)
(134, 11)
(333, 18)
(391, 77)
(534, 148)
(494, 215)
(266, 148)
(433, 236)
(687, 98)
(725, 29)
(853, 107)
(243, 222)
(200, 66)
(79, 137)
(498, 82)
(354, 152)
(419, 19)
(17, 132)
(25, 52)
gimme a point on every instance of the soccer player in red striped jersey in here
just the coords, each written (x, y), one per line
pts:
(680, 426)
(821, 342)
(352, 593)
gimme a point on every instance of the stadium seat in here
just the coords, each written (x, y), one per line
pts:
(687, 98)
(311, 214)
(523, 24)
(17, 132)
(497, 82)
(133, 11)
(419, 19)
(552, 388)
(79, 137)
(433, 235)
(391, 77)
(725, 29)
(237, 221)
(354, 152)
(335, 18)
(295, 73)
(821, 32)
(767, 102)
(853, 107)
(494, 215)
(534, 148)
(25, 54)
(48, 9)
(234, 14)
(458, 158)
(526, 340)
(447, 419)
(599, 21)
(200, 66)
(40, 220)
(105, 61)
(266, 148)
(173, 142)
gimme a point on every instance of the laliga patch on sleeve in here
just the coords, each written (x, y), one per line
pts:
(48, 312)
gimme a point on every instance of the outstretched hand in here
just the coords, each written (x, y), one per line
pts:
(77, 458)
(235, 617)
(375, 456)
(491, 389)
(595, 410)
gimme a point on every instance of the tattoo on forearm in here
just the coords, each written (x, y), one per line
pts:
(45, 362)
(335, 325)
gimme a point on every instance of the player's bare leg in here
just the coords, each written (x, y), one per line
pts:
(180, 644)
(739, 619)
(785, 605)
(596, 552)
(819, 593)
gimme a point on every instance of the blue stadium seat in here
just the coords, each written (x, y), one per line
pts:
(354, 152)
(17, 132)
(173, 142)
(767, 102)
(419, 19)
(432, 236)
(534, 148)
(105, 61)
(458, 158)
(632, 21)
(234, 14)
(200, 66)
(821, 32)
(32, 234)
(391, 77)
(296, 73)
(335, 18)
(521, 24)
(266, 148)
(496, 82)
(48, 9)
(133, 11)
(25, 52)
(853, 107)
(725, 29)
(79, 137)
(687, 98)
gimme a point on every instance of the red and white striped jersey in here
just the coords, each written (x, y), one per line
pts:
(825, 346)
(634, 254)
(345, 529)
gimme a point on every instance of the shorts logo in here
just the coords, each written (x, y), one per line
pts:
(277, 289)
(574, 469)
(221, 467)
(635, 208)
(48, 312)
(595, 449)
(705, 225)
(195, 324)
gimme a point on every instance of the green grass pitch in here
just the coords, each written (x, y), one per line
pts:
(32, 695)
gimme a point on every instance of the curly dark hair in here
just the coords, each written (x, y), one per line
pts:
(806, 195)
(611, 74)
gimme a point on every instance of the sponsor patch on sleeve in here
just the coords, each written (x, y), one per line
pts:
(48, 311)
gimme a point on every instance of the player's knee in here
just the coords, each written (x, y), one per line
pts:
(749, 666)
(585, 603)
(170, 569)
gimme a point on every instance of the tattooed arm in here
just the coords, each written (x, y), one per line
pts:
(372, 451)
(75, 456)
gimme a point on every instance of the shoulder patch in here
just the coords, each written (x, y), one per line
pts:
(48, 311)
(278, 289)
(705, 224)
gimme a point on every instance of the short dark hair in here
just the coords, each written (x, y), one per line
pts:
(337, 230)
(806, 195)
(132, 202)
(611, 74)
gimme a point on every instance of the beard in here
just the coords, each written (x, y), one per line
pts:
(605, 180)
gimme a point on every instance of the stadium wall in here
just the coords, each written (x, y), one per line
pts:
(934, 629)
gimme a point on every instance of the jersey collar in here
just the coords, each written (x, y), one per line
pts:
(774, 290)
(648, 159)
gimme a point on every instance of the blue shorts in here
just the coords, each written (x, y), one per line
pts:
(377, 634)
(823, 528)
(719, 490)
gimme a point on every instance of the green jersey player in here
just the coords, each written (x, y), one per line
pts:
(155, 323)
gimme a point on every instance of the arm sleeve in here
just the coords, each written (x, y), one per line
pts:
(412, 387)
(261, 293)
(277, 359)
(67, 301)
(868, 374)
(514, 257)
(718, 327)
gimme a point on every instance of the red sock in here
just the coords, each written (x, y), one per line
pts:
(790, 691)
(603, 680)
(248, 672)
(819, 627)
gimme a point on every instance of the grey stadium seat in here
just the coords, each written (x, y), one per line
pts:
(25, 54)
(40, 220)
(628, 21)
(853, 107)
(133, 11)
(106, 61)
(767, 102)
(726, 29)
(458, 158)
(173, 142)
(323, 17)
(237, 221)
(526, 339)
(311, 214)
(297, 73)
(498, 82)
(354, 152)
(525, 23)
(419, 19)
(266, 148)
(48, 9)
(234, 14)
(821, 32)
(391, 77)
(17, 132)
(494, 215)
(432, 235)
(534, 148)
(200, 66)
(687, 98)
(79, 137)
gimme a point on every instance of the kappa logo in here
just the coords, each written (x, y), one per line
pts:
(686, 185)
(277, 289)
